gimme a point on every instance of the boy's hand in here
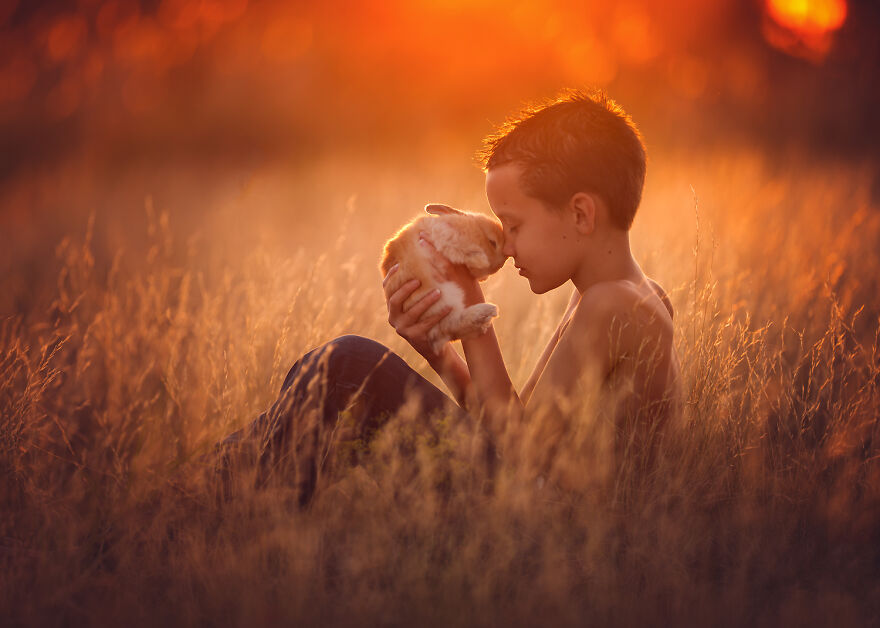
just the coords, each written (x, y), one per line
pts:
(458, 273)
(410, 323)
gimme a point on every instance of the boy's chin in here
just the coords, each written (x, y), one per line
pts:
(538, 287)
(542, 287)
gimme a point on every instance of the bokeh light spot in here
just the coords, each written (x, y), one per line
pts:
(813, 16)
(140, 42)
(66, 37)
(115, 16)
(590, 61)
(803, 28)
(634, 34)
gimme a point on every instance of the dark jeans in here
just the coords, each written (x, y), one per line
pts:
(341, 392)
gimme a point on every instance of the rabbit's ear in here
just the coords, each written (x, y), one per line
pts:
(442, 210)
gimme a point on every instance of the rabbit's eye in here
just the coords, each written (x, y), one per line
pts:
(493, 243)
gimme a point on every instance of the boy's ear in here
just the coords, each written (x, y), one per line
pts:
(441, 210)
(583, 212)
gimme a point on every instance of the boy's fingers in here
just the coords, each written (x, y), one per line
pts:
(391, 271)
(420, 306)
(387, 283)
(426, 324)
(400, 295)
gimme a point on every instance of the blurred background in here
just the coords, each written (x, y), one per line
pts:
(268, 124)
(193, 193)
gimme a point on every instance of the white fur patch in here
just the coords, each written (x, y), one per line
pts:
(451, 294)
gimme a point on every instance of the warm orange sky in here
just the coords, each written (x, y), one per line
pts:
(460, 42)
(256, 72)
(197, 103)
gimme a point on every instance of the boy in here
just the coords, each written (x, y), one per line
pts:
(565, 181)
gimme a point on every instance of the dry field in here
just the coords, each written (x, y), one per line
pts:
(128, 355)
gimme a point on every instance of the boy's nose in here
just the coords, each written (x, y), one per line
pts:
(508, 249)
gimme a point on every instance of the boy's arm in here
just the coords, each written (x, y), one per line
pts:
(454, 373)
(493, 391)
(413, 327)
(488, 386)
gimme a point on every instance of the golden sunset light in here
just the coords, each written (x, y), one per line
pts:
(804, 27)
(811, 16)
(439, 313)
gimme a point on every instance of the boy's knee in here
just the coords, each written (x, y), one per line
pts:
(343, 357)
(352, 354)
(344, 352)
(351, 344)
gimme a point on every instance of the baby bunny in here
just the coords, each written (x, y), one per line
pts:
(461, 237)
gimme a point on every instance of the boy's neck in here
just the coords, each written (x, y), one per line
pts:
(608, 259)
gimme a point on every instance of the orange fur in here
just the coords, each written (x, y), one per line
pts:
(474, 240)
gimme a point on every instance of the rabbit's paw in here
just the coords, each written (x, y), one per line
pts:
(476, 318)
(438, 339)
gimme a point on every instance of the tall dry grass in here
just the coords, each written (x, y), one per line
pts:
(764, 508)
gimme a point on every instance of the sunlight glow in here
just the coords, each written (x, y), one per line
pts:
(809, 16)
(803, 28)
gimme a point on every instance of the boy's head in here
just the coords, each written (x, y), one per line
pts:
(579, 143)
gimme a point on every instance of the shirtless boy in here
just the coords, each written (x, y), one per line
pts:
(565, 180)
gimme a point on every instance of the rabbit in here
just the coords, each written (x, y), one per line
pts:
(474, 240)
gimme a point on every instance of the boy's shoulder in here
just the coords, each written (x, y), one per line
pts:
(636, 308)
(610, 322)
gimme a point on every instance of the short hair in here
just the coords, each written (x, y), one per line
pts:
(579, 142)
